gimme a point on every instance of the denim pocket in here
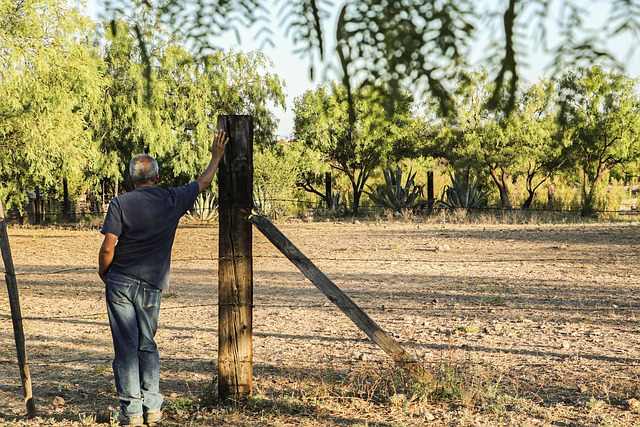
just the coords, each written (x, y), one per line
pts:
(151, 298)
(117, 291)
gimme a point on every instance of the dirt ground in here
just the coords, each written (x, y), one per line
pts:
(529, 324)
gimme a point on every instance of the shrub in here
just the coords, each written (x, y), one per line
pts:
(276, 171)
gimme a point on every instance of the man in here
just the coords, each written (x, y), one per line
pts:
(134, 262)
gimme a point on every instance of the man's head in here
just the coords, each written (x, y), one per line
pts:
(143, 170)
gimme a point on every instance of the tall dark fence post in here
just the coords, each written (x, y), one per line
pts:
(235, 265)
(430, 193)
(16, 315)
(328, 191)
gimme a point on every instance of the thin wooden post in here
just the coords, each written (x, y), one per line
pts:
(430, 193)
(16, 315)
(328, 191)
(235, 264)
(341, 300)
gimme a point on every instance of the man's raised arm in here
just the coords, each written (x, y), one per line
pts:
(217, 151)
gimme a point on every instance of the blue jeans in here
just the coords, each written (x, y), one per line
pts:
(133, 306)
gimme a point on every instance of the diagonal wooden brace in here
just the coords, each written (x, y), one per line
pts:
(341, 300)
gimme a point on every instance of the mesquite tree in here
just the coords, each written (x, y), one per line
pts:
(600, 116)
(353, 146)
(49, 90)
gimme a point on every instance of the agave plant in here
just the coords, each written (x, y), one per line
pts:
(265, 204)
(462, 194)
(392, 194)
(335, 204)
(205, 208)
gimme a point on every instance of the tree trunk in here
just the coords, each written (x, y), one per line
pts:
(503, 187)
(356, 199)
(328, 193)
(66, 204)
(589, 192)
(104, 195)
(551, 196)
(527, 203)
(38, 208)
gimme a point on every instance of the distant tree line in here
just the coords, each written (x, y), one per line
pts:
(583, 127)
(78, 100)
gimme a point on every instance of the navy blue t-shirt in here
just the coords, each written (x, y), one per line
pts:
(145, 221)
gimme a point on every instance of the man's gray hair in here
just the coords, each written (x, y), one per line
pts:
(143, 169)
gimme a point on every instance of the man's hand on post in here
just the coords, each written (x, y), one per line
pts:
(219, 144)
(217, 151)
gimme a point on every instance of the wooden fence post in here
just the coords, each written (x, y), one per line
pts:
(16, 315)
(328, 191)
(235, 264)
(342, 300)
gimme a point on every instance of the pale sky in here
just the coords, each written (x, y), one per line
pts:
(294, 70)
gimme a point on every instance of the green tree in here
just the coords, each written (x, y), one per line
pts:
(127, 123)
(533, 128)
(476, 137)
(314, 174)
(50, 87)
(276, 173)
(600, 115)
(195, 92)
(354, 147)
(172, 114)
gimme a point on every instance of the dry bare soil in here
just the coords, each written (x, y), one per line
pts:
(524, 325)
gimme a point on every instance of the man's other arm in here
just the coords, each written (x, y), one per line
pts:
(105, 256)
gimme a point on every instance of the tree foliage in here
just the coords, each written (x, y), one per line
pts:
(600, 115)
(127, 123)
(476, 136)
(196, 92)
(73, 112)
(500, 146)
(410, 42)
(354, 147)
(49, 86)
(533, 128)
(75, 108)
(172, 114)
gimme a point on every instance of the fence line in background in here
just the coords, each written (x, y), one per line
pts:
(627, 362)
(631, 363)
(30, 218)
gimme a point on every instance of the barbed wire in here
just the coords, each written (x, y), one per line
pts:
(450, 310)
(457, 261)
(329, 360)
(46, 273)
(430, 305)
(353, 361)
